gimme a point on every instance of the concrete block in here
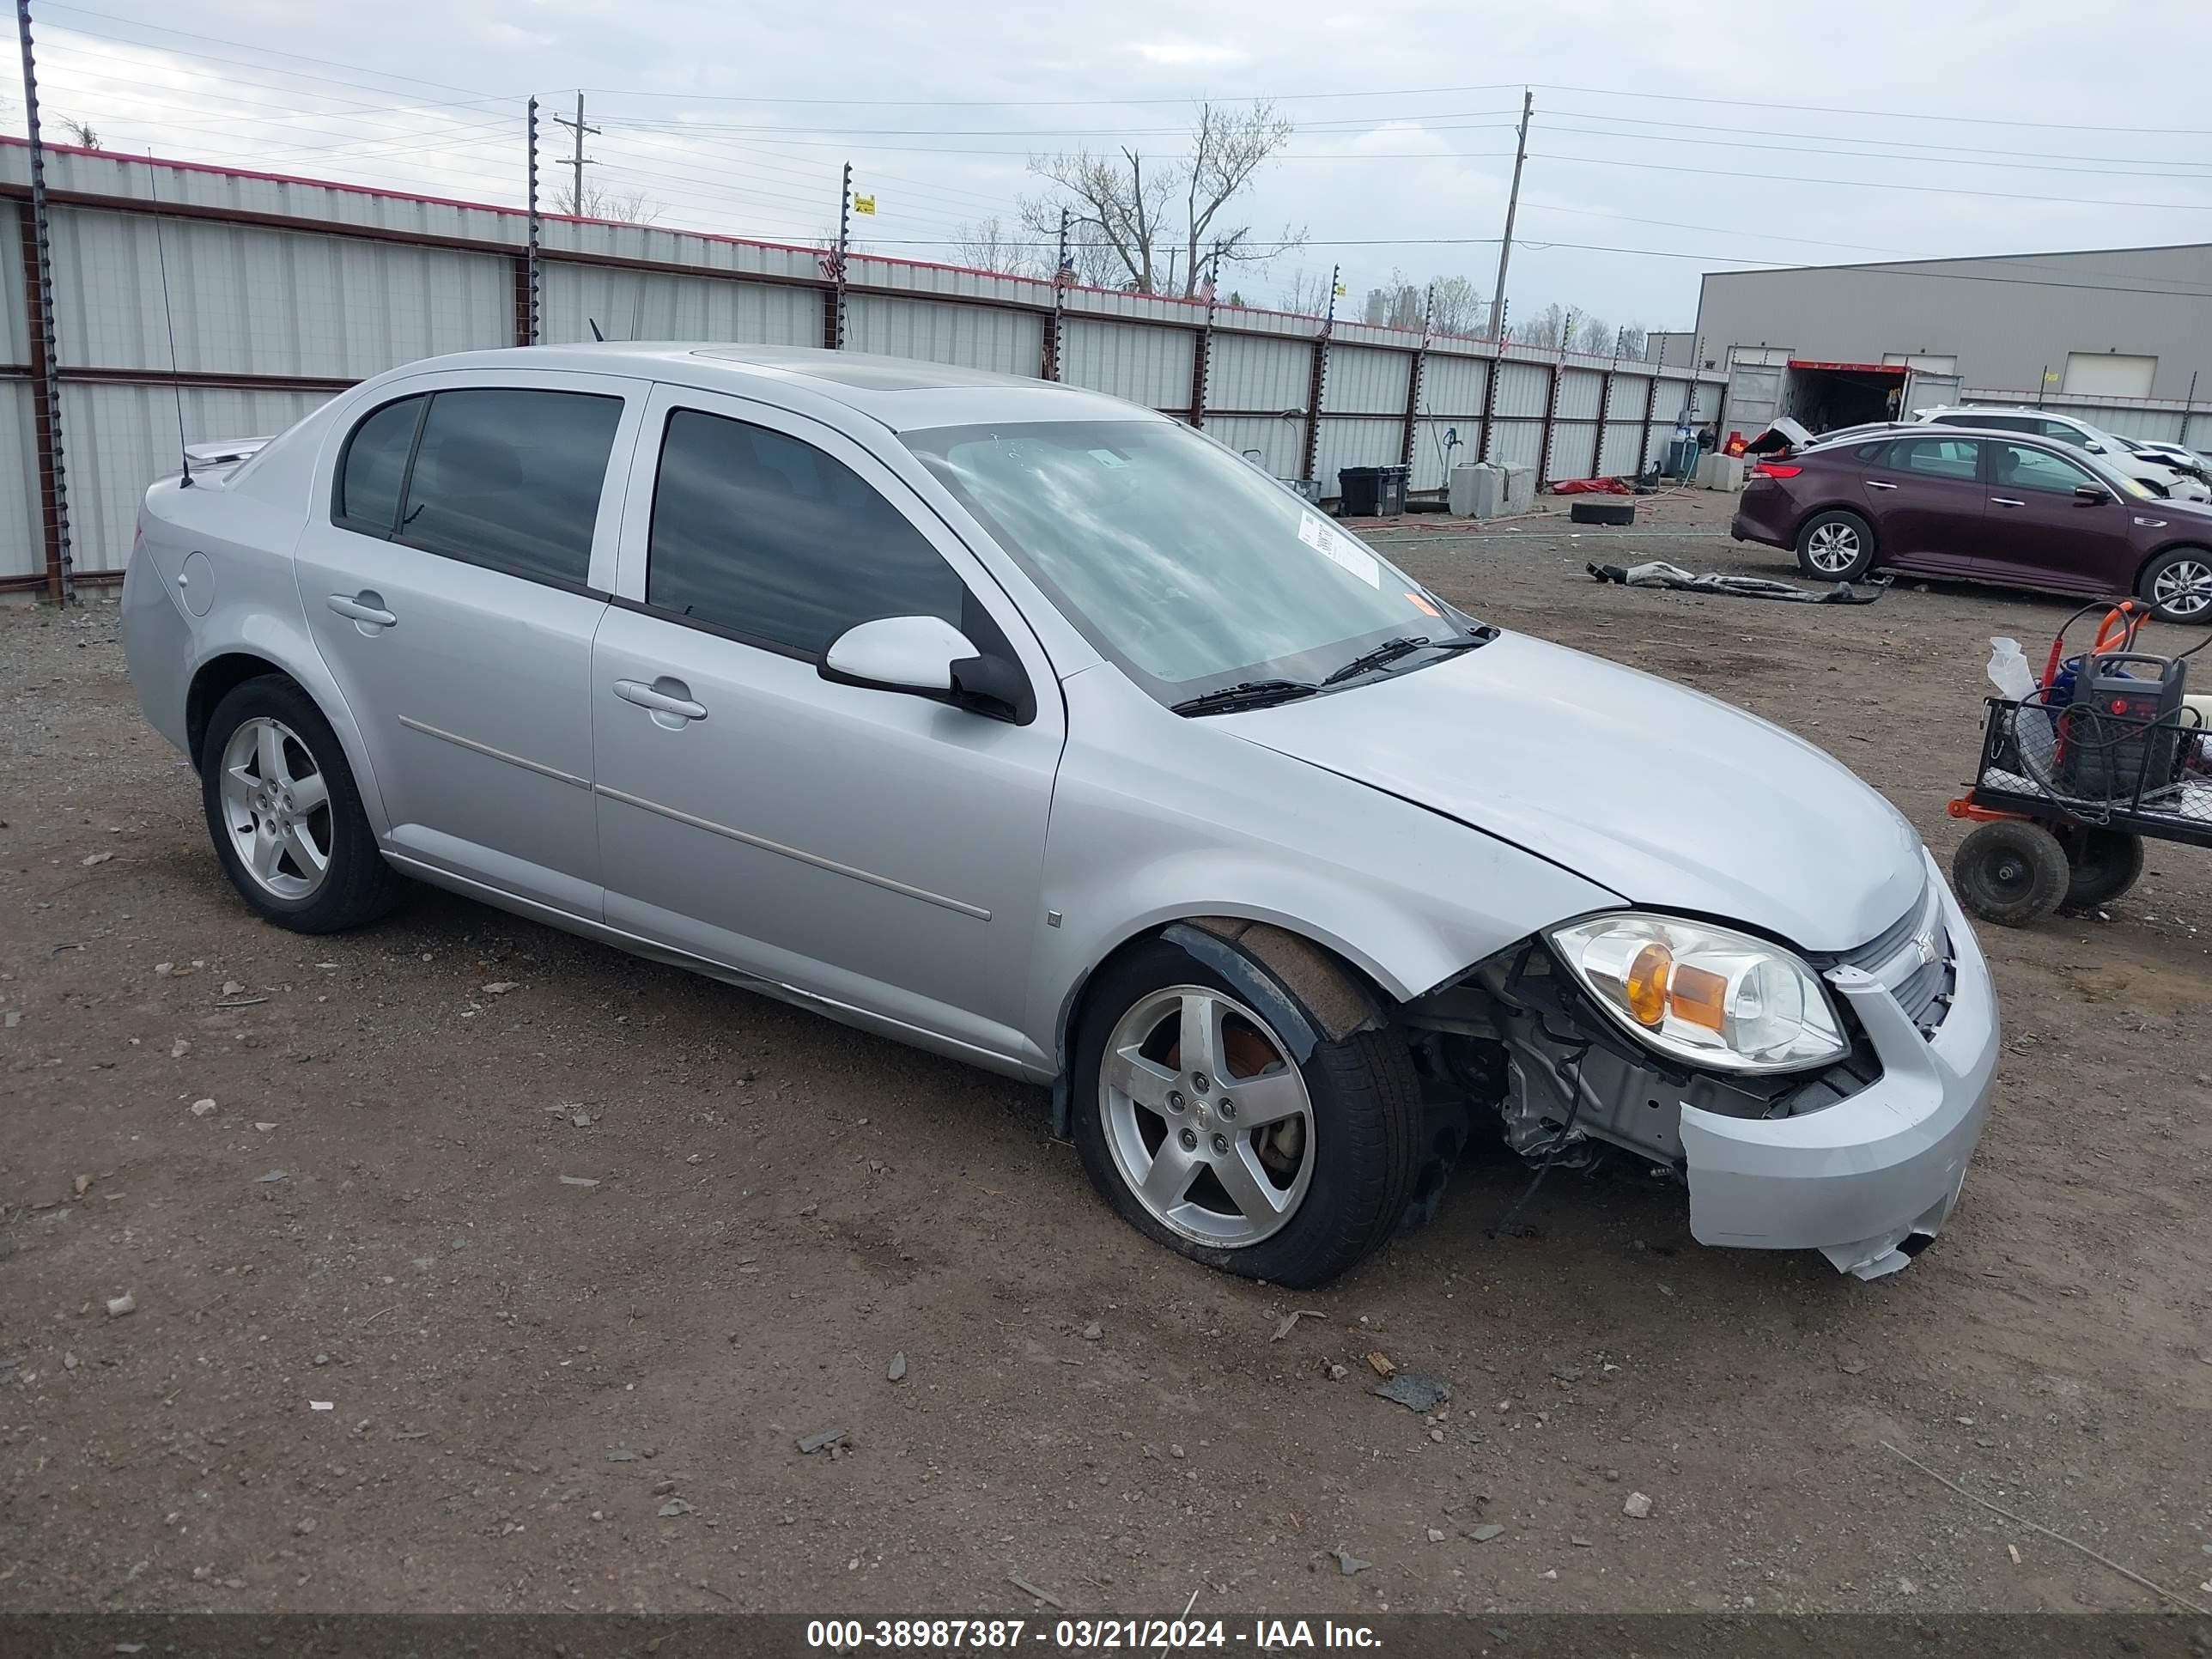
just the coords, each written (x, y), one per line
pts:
(1723, 472)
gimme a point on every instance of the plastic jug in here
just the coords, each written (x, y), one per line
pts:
(2009, 671)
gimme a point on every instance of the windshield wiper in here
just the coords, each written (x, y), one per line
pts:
(1245, 694)
(1390, 650)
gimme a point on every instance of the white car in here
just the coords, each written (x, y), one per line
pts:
(2179, 457)
(2160, 476)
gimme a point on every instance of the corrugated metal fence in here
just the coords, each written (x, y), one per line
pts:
(282, 291)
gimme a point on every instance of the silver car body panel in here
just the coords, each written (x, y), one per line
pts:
(950, 880)
(1673, 799)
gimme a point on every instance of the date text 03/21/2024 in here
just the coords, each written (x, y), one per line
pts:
(1263, 1635)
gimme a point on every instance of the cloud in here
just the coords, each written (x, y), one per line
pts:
(1185, 54)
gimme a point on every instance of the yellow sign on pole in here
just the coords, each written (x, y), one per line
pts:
(1340, 290)
(864, 205)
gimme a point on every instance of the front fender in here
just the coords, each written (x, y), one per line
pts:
(1173, 821)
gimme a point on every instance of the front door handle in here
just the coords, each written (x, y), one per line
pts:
(664, 696)
(365, 607)
(1876, 484)
(2006, 500)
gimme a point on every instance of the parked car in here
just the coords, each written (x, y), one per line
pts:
(1036, 729)
(2162, 478)
(1981, 506)
(2179, 457)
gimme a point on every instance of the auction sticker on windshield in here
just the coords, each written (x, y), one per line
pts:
(1339, 550)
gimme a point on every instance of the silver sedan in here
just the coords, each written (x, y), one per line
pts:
(1036, 729)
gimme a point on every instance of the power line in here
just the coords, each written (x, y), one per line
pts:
(1878, 114)
(1876, 155)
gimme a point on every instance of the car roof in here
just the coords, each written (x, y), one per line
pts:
(901, 392)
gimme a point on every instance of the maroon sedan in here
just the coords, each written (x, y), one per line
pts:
(1970, 506)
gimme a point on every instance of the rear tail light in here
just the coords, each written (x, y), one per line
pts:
(1775, 470)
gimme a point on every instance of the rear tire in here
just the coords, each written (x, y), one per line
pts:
(1323, 1204)
(2102, 865)
(2177, 585)
(2010, 872)
(285, 814)
(1835, 546)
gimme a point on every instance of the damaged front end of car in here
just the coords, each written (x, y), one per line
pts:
(1806, 1102)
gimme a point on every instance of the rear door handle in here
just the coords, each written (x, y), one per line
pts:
(664, 696)
(364, 607)
(2005, 501)
(1876, 484)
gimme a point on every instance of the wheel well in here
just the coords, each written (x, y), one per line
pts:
(2143, 569)
(1336, 994)
(217, 677)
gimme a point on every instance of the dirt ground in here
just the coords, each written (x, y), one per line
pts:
(547, 1395)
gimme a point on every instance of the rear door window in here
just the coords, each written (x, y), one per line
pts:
(374, 468)
(510, 479)
(1956, 459)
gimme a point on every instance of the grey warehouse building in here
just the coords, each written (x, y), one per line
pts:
(2121, 336)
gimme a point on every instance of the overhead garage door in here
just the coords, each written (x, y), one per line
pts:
(2109, 374)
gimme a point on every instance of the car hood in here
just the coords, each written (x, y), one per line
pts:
(1671, 799)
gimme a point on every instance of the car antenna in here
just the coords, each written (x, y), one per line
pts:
(596, 335)
(168, 318)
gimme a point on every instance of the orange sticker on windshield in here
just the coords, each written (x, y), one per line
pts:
(1421, 604)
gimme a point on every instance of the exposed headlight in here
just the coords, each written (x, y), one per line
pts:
(1705, 994)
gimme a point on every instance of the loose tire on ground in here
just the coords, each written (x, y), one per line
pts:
(1835, 546)
(2010, 872)
(1137, 1099)
(285, 814)
(2102, 864)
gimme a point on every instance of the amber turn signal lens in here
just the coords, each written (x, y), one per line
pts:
(1645, 988)
(1699, 997)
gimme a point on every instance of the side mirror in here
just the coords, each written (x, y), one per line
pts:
(2091, 494)
(2093, 447)
(928, 656)
(898, 653)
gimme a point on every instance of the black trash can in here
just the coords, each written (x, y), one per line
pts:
(1372, 492)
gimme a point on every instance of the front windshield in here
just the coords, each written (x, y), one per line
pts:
(1175, 559)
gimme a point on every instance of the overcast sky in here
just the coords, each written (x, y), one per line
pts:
(1683, 137)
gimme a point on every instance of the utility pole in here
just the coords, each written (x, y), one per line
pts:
(532, 310)
(576, 195)
(844, 232)
(1513, 202)
(54, 478)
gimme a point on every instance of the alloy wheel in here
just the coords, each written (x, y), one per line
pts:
(2184, 588)
(276, 809)
(1206, 1116)
(1831, 548)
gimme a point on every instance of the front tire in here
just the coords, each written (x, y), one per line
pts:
(1835, 546)
(2010, 872)
(1200, 1127)
(2178, 586)
(285, 815)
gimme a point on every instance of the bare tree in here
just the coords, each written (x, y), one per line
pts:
(1544, 329)
(1458, 305)
(1308, 294)
(1633, 339)
(1124, 206)
(1594, 337)
(987, 244)
(82, 133)
(632, 207)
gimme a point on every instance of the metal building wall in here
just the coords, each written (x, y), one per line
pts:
(2007, 319)
(243, 300)
(118, 439)
(281, 292)
(659, 305)
(972, 336)
(1145, 364)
